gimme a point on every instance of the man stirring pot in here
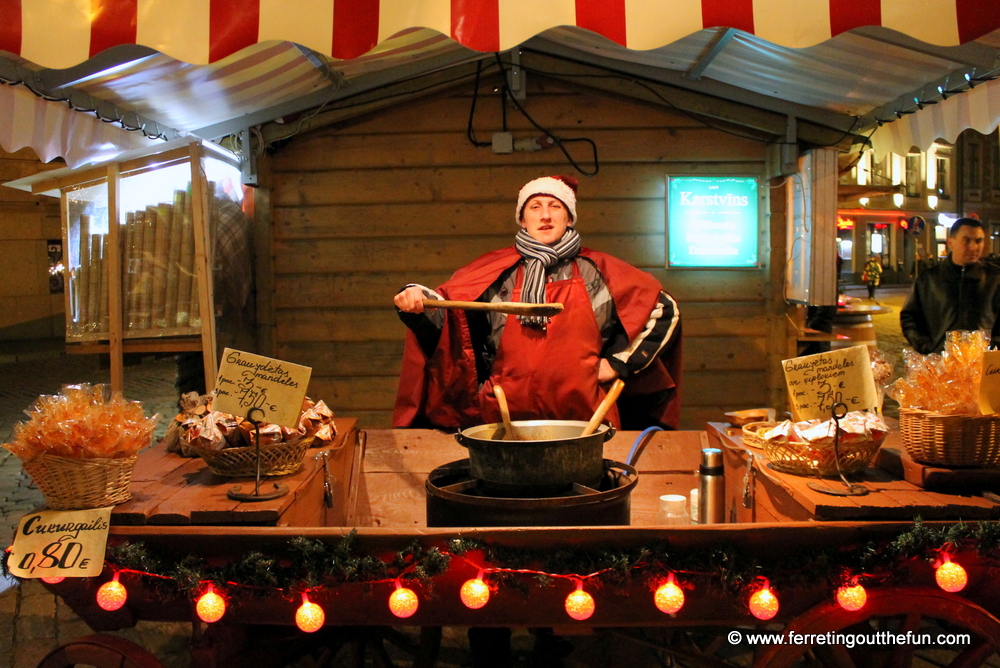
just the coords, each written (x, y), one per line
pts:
(617, 323)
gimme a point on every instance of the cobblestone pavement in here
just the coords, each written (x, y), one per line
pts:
(33, 621)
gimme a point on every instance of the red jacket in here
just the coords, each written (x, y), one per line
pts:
(444, 389)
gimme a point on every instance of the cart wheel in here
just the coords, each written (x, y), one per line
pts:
(413, 647)
(898, 612)
(101, 651)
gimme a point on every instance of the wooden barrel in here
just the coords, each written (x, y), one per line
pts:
(857, 327)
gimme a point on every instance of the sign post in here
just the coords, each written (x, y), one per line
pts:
(261, 389)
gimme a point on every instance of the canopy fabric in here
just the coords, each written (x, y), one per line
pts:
(978, 109)
(64, 33)
(52, 130)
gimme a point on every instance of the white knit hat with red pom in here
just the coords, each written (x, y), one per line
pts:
(562, 188)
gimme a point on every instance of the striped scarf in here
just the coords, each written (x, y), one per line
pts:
(537, 258)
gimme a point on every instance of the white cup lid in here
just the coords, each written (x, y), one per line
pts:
(673, 503)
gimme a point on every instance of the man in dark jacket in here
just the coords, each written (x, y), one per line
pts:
(958, 293)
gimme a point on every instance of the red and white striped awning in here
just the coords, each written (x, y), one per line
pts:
(63, 33)
(978, 109)
(54, 130)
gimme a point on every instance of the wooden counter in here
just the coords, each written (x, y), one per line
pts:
(767, 495)
(385, 513)
(379, 475)
(397, 462)
(168, 489)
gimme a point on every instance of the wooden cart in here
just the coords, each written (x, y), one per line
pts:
(379, 480)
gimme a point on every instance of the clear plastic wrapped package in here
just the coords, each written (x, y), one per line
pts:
(946, 383)
(80, 423)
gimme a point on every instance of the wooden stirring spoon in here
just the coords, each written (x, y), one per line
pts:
(517, 308)
(508, 428)
(609, 401)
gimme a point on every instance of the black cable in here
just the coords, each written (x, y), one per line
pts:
(558, 141)
(503, 112)
(681, 110)
(867, 143)
(470, 132)
(384, 97)
(689, 114)
(69, 103)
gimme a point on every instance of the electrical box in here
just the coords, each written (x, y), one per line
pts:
(503, 142)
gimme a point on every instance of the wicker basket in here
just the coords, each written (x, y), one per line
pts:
(752, 433)
(951, 440)
(812, 459)
(75, 484)
(276, 459)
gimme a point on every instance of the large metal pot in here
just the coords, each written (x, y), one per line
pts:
(548, 457)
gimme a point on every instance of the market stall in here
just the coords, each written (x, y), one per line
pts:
(388, 138)
(385, 501)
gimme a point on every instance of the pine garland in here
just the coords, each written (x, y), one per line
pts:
(309, 563)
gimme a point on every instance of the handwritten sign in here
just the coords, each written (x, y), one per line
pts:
(247, 381)
(66, 543)
(989, 386)
(817, 382)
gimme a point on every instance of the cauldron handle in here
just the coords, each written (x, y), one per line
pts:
(610, 433)
(460, 437)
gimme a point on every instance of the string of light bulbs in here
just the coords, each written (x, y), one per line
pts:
(670, 586)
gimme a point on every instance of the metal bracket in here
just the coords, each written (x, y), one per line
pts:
(248, 158)
(327, 478)
(516, 79)
(749, 483)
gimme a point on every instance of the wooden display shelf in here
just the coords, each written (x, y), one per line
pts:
(157, 345)
(758, 493)
(898, 462)
(168, 489)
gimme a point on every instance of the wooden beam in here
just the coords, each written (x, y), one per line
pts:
(203, 266)
(114, 269)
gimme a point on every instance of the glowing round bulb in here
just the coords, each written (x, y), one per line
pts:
(475, 593)
(579, 605)
(951, 576)
(403, 602)
(210, 607)
(763, 604)
(669, 597)
(852, 598)
(55, 579)
(111, 595)
(309, 617)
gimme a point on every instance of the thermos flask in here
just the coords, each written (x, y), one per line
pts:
(712, 488)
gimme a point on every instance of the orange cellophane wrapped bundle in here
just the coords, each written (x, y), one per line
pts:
(79, 423)
(948, 383)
